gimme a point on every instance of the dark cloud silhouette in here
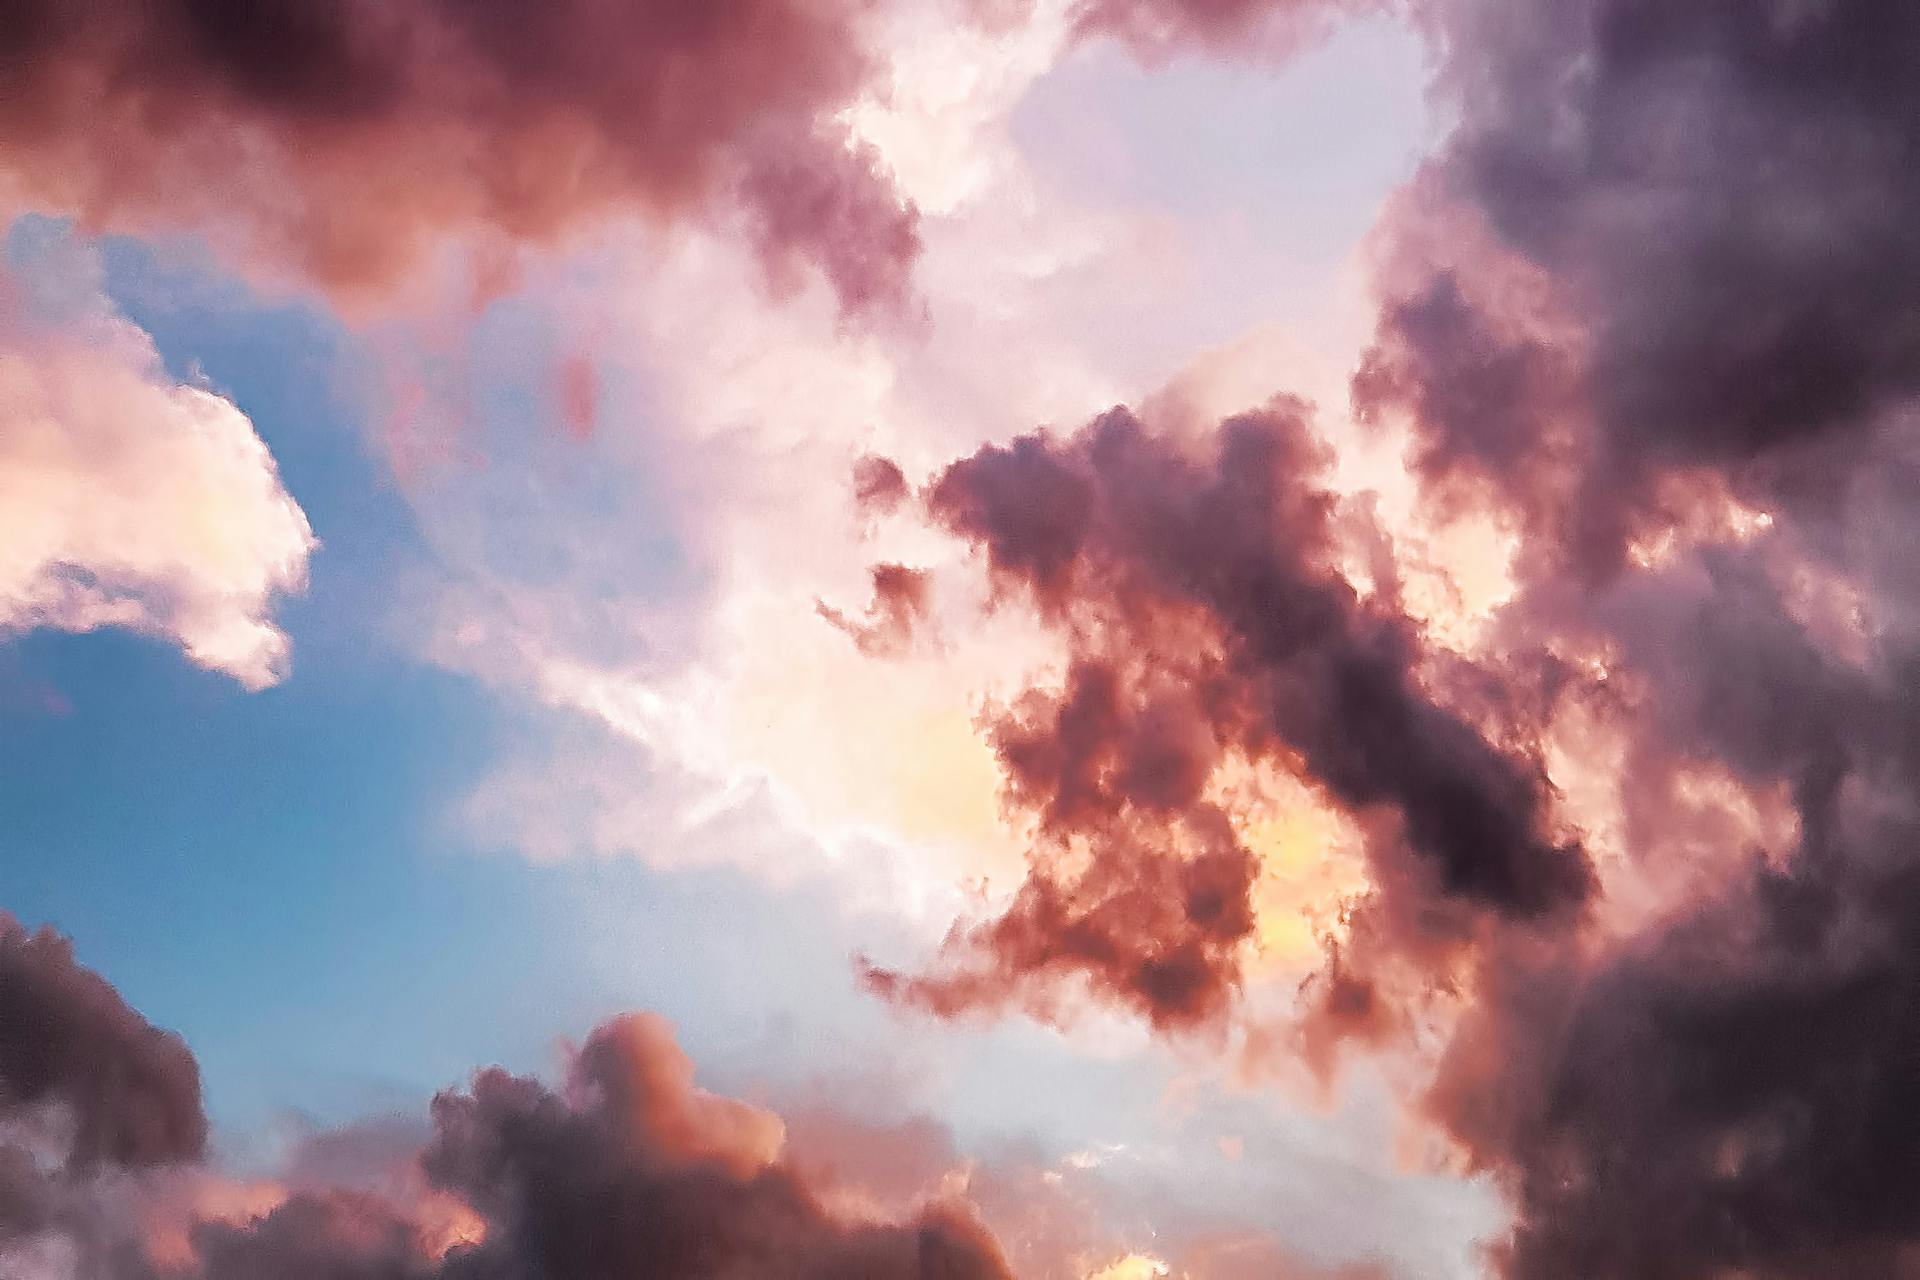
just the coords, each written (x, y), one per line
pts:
(1207, 617)
(1686, 276)
(334, 1235)
(129, 1091)
(343, 139)
(627, 1168)
(1719, 1090)
(642, 1173)
(1732, 1093)
(1720, 192)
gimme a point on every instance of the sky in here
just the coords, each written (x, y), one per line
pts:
(1084, 639)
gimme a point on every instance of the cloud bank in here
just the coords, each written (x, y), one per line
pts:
(625, 1168)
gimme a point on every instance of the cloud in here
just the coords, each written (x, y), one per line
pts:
(1156, 29)
(1642, 317)
(88, 1088)
(901, 601)
(879, 486)
(341, 141)
(648, 1173)
(1203, 602)
(129, 1091)
(1647, 298)
(128, 498)
(1642, 310)
(626, 1167)
(1738, 283)
(622, 1163)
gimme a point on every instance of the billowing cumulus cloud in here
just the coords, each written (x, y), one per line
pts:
(342, 140)
(622, 1166)
(1721, 193)
(1209, 620)
(128, 498)
(626, 1168)
(1676, 339)
(129, 1092)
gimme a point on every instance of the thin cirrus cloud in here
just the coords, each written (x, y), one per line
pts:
(128, 498)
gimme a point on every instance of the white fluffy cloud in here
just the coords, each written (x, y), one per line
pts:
(128, 498)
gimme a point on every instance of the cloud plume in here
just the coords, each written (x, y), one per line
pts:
(1721, 193)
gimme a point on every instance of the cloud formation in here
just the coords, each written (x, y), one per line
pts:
(1728, 308)
(343, 140)
(129, 1091)
(1648, 308)
(626, 1168)
(1201, 595)
(1672, 333)
(128, 498)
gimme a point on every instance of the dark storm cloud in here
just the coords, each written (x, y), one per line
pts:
(642, 1174)
(1665, 259)
(1717, 201)
(1721, 192)
(627, 1170)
